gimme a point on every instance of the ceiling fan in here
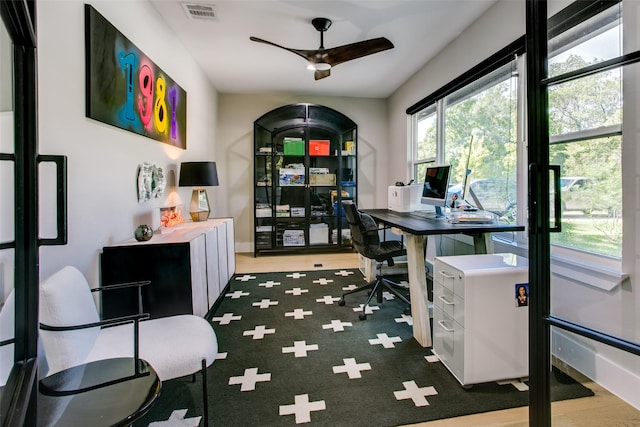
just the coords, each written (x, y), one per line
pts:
(322, 60)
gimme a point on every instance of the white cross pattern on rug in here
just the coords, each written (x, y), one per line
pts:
(302, 408)
(300, 348)
(517, 383)
(349, 288)
(221, 356)
(369, 310)
(386, 341)
(296, 291)
(388, 296)
(264, 303)
(298, 313)
(336, 325)
(404, 318)
(328, 299)
(245, 278)
(296, 275)
(177, 419)
(226, 318)
(432, 358)
(323, 281)
(415, 393)
(343, 273)
(249, 379)
(351, 368)
(237, 294)
(269, 284)
(259, 332)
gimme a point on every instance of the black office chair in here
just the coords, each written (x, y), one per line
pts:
(366, 241)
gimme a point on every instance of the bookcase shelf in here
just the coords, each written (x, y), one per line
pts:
(305, 164)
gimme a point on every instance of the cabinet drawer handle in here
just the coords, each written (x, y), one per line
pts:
(444, 300)
(442, 325)
(445, 275)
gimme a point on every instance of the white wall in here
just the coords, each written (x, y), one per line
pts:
(236, 114)
(616, 311)
(102, 160)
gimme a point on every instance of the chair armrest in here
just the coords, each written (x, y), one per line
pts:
(121, 286)
(109, 322)
(138, 285)
(135, 318)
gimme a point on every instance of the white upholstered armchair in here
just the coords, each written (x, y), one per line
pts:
(174, 346)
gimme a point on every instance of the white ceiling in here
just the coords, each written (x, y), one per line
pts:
(418, 29)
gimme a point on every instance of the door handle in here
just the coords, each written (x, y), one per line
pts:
(557, 201)
(61, 199)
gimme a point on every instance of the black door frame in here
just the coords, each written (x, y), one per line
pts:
(540, 318)
(18, 405)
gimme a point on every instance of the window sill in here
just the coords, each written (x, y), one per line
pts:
(588, 269)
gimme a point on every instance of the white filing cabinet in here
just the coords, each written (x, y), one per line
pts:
(480, 332)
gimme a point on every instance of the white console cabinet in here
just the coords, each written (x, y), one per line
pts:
(480, 332)
(188, 267)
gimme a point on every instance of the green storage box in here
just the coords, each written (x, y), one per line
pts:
(293, 147)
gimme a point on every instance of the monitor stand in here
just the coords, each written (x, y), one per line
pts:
(438, 214)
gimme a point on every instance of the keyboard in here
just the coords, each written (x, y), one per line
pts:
(477, 217)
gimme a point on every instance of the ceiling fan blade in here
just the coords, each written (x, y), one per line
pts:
(305, 54)
(340, 54)
(321, 74)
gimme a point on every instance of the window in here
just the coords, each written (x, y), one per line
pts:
(585, 126)
(425, 147)
(477, 124)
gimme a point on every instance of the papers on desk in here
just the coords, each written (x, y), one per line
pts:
(478, 217)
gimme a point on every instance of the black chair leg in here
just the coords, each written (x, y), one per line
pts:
(205, 397)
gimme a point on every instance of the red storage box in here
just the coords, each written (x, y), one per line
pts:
(319, 147)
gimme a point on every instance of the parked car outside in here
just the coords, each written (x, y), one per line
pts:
(576, 194)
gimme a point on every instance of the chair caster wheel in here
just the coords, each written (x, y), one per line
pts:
(341, 303)
(406, 311)
(362, 316)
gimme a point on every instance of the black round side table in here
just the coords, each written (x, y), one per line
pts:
(110, 392)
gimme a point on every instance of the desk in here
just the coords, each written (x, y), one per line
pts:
(416, 228)
(106, 392)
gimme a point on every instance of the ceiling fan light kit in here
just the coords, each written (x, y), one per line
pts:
(322, 60)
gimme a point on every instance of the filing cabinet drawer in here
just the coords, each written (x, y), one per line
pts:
(451, 304)
(449, 278)
(448, 343)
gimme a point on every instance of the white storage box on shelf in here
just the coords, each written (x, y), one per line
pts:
(293, 238)
(318, 234)
(480, 331)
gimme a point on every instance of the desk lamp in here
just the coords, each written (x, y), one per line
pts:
(199, 175)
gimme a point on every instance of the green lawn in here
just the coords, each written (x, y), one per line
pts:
(597, 234)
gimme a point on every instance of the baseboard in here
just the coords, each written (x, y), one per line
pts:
(608, 373)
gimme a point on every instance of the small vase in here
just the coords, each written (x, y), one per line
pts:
(143, 233)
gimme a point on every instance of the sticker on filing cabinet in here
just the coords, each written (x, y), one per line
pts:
(522, 294)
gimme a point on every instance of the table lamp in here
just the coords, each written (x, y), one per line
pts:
(199, 175)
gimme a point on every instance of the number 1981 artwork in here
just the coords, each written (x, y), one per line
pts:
(127, 90)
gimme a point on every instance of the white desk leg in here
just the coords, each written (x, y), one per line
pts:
(483, 243)
(418, 289)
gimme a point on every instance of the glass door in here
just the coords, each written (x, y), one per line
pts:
(583, 319)
(18, 193)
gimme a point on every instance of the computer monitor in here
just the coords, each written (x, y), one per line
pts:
(436, 184)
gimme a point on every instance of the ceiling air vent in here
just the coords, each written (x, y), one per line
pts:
(199, 11)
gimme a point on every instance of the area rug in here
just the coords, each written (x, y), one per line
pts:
(289, 354)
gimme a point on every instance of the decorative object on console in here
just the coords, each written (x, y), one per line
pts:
(143, 233)
(151, 182)
(199, 175)
(170, 217)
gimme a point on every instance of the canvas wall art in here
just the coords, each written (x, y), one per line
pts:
(127, 90)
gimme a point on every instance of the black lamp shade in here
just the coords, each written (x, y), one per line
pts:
(198, 174)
